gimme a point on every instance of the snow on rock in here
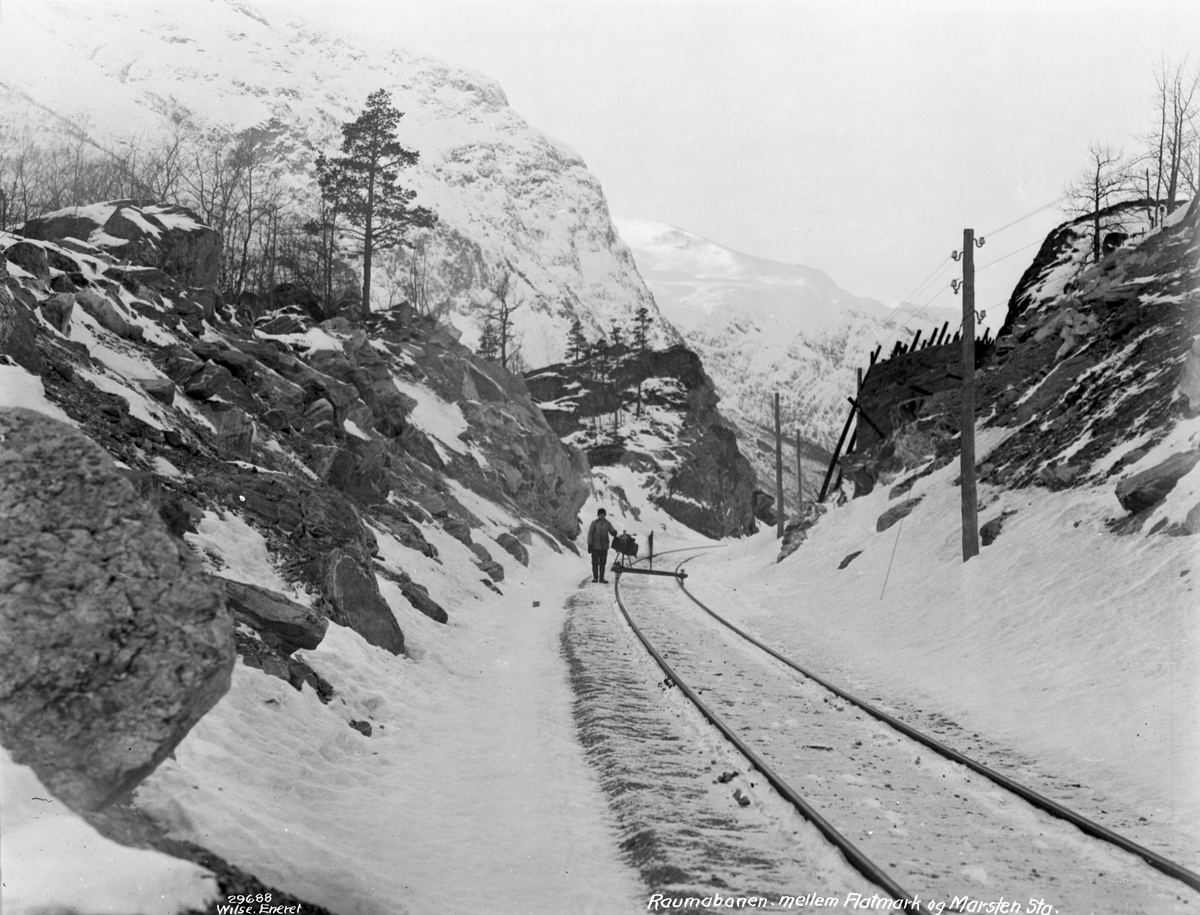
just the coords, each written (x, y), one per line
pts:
(508, 198)
(52, 858)
(18, 388)
(763, 327)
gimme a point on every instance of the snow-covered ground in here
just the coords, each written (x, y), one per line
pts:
(471, 793)
(1077, 650)
(1068, 655)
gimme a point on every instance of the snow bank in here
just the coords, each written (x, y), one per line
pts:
(1061, 640)
(53, 860)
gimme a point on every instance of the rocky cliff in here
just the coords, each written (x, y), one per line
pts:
(1092, 381)
(654, 412)
(318, 473)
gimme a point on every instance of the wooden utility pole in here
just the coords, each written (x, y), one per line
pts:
(799, 477)
(970, 521)
(778, 472)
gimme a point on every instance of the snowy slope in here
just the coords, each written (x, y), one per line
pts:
(504, 193)
(1074, 651)
(763, 327)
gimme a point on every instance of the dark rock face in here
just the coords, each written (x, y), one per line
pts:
(1071, 374)
(113, 641)
(710, 486)
(357, 603)
(1148, 488)
(763, 506)
(172, 239)
(16, 334)
(31, 258)
(282, 623)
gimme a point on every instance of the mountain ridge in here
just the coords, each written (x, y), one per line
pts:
(508, 197)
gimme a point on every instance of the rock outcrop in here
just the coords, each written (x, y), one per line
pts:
(142, 233)
(113, 643)
(1090, 355)
(654, 412)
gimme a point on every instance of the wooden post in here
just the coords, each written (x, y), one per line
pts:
(650, 539)
(970, 521)
(778, 473)
(836, 451)
(799, 477)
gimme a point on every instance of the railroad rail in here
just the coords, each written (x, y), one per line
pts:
(906, 900)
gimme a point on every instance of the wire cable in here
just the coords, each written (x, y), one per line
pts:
(1044, 206)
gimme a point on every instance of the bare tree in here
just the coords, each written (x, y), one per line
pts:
(1172, 143)
(1104, 180)
(504, 303)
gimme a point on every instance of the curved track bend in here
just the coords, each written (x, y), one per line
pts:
(894, 802)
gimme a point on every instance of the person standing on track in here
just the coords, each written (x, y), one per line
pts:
(599, 532)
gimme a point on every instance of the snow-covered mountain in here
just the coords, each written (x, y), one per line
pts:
(763, 327)
(506, 195)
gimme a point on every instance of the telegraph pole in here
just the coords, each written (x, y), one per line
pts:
(799, 477)
(778, 472)
(970, 520)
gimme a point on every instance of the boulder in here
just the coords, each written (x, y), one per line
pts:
(114, 643)
(1189, 377)
(31, 258)
(107, 316)
(210, 381)
(417, 595)
(283, 624)
(58, 310)
(235, 429)
(484, 560)
(319, 417)
(1148, 488)
(143, 233)
(360, 471)
(354, 595)
(895, 513)
(990, 530)
(161, 389)
(17, 334)
(763, 506)
(513, 547)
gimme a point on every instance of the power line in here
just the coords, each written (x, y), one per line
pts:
(1044, 206)
(945, 264)
(1008, 255)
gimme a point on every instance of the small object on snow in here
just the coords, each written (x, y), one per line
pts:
(667, 683)
(728, 776)
(537, 603)
(363, 727)
(741, 798)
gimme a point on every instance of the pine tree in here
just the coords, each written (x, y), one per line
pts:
(361, 183)
(641, 329)
(489, 340)
(616, 350)
(577, 343)
(641, 342)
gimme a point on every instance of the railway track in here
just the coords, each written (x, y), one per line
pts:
(934, 829)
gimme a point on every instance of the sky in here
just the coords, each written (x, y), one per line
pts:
(859, 138)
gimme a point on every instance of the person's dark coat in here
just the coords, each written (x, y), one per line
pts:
(599, 533)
